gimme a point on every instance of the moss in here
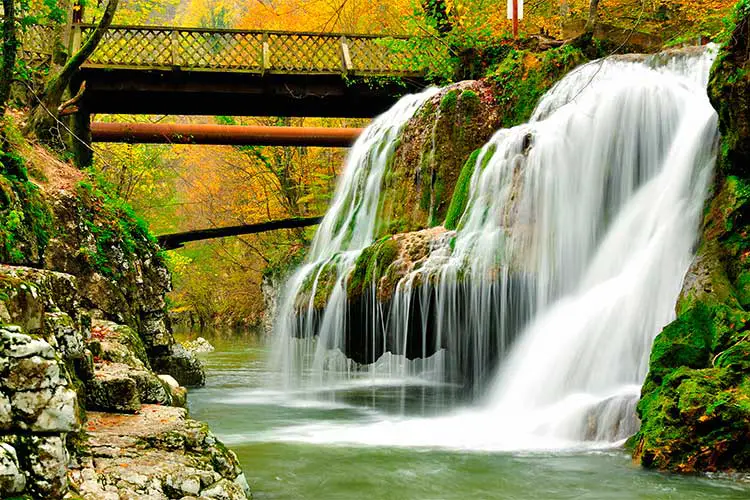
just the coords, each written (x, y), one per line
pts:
(684, 342)
(461, 192)
(469, 98)
(434, 145)
(114, 225)
(25, 221)
(326, 281)
(695, 404)
(371, 265)
(449, 101)
(696, 420)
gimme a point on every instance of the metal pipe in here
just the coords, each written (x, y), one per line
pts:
(233, 135)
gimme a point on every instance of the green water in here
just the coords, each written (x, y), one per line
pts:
(252, 419)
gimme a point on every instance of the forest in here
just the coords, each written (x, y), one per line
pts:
(527, 277)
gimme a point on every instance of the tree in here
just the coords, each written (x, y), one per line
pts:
(45, 113)
(10, 46)
(593, 12)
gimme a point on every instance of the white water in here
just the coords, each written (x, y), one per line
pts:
(569, 258)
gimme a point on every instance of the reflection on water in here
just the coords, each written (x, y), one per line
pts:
(264, 427)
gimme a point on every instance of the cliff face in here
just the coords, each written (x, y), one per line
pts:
(58, 219)
(90, 374)
(695, 403)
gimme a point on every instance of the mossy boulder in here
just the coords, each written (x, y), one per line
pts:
(695, 403)
(729, 91)
(434, 145)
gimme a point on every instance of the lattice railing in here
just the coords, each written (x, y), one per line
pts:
(256, 51)
(36, 43)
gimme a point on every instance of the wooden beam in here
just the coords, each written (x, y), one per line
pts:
(177, 240)
(235, 135)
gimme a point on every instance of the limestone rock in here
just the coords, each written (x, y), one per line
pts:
(6, 413)
(60, 413)
(32, 374)
(46, 462)
(182, 365)
(167, 456)
(19, 345)
(199, 345)
(113, 391)
(61, 327)
(224, 490)
(169, 380)
(12, 480)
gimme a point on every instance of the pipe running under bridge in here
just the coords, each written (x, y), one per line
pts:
(232, 135)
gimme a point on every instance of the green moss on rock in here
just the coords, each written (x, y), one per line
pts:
(371, 266)
(434, 146)
(116, 229)
(461, 192)
(695, 403)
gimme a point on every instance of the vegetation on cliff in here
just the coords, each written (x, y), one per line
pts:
(695, 404)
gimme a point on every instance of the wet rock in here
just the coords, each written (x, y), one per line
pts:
(182, 365)
(223, 490)
(199, 345)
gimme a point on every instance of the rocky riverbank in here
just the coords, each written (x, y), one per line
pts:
(92, 382)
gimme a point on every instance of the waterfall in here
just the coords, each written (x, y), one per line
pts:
(565, 265)
(347, 229)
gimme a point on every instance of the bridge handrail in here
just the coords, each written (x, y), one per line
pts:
(250, 31)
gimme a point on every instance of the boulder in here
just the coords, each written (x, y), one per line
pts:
(182, 365)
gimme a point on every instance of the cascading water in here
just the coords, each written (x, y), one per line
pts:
(566, 263)
(347, 229)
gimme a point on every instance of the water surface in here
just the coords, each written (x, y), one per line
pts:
(263, 427)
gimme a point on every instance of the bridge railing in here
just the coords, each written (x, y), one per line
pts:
(197, 49)
(36, 44)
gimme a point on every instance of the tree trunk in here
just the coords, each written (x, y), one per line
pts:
(44, 114)
(10, 45)
(591, 22)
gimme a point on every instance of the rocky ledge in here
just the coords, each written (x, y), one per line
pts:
(158, 453)
(85, 412)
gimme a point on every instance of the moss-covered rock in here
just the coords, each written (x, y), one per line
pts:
(434, 145)
(372, 265)
(695, 403)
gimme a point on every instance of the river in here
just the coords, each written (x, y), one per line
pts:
(262, 427)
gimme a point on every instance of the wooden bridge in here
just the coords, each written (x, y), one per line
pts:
(194, 71)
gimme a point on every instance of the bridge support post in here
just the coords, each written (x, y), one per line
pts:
(80, 143)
